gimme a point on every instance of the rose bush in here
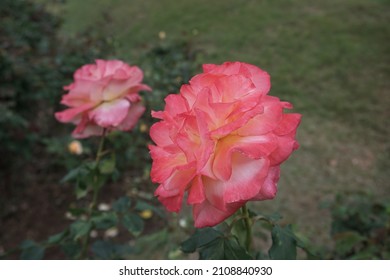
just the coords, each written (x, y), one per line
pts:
(103, 96)
(221, 140)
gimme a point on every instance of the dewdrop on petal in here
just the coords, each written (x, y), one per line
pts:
(146, 214)
(75, 147)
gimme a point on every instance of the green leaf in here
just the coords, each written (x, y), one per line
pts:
(79, 229)
(239, 230)
(347, 241)
(154, 245)
(105, 220)
(133, 223)
(56, 238)
(31, 250)
(122, 205)
(107, 250)
(234, 251)
(200, 238)
(224, 248)
(71, 249)
(213, 245)
(107, 166)
(283, 243)
(81, 189)
(74, 173)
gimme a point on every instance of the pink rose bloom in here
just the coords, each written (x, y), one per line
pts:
(221, 140)
(103, 96)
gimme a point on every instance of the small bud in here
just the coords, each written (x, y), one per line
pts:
(143, 127)
(75, 147)
(146, 214)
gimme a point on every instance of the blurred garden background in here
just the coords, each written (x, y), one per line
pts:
(330, 59)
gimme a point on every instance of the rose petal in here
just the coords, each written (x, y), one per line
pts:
(69, 115)
(245, 182)
(110, 113)
(134, 113)
(252, 146)
(206, 215)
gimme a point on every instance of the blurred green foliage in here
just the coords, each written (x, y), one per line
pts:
(360, 227)
(35, 63)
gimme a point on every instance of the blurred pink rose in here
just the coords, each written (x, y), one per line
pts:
(103, 95)
(221, 140)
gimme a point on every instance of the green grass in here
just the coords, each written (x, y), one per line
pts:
(329, 58)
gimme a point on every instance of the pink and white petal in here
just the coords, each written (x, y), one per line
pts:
(188, 94)
(109, 67)
(196, 192)
(208, 67)
(206, 215)
(265, 121)
(232, 88)
(245, 182)
(110, 114)
(239, 122)
(160, 133)
(260, 78)
(164, 163)
(270, 186)
(171, 192)
(172, 203)
(227, 68)
(288, 124)
(87, 131)
(254, 147)
(286, 145)
(87, 90)
(70, 114)
(175, 104)
(123, 83)
(134, 113)
(75, 100)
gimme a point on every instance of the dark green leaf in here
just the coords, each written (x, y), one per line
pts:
(153, 245)
(79, 229)
(107, 166)
(133, 223)
(213, 245)
(81, 189)
(71, 249)
(283, 244)
(122, 205)
(107, 250)
(200, 238)
(223, 248)
(56, 238)
(105, 220)
(347, 241)
(234, 251)
(31, 250)
(213, 250)
(77, 211)
(73, 174)
(239, 230)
